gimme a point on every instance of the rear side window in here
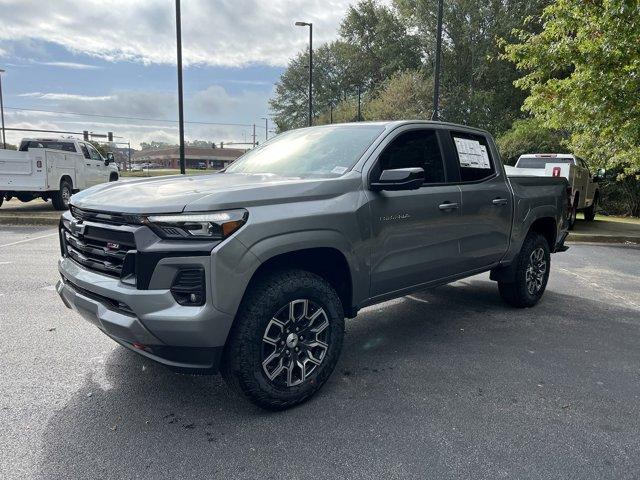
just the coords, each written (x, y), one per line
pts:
(416, 148)
(53, 145)
(474, 157)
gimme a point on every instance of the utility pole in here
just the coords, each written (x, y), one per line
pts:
(310, 25)
(180, 106)
(129, 152)
(4, 140)
(331, 113)
(266, 127)
(436, 75)
(254, 135)
(359, 117)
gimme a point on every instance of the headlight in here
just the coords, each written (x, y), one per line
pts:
(200, 226)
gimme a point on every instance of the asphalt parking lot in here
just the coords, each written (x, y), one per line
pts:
(448, 383)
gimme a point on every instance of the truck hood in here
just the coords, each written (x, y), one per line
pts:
(178, 193)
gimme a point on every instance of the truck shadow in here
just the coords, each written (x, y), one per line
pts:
(404, 362)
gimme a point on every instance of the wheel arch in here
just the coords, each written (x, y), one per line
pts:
(325, 261)
(65, 178)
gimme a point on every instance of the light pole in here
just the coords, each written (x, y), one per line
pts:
(310, 25)
(180, 109)
(266, 127)
(436, 75)
(4, 140)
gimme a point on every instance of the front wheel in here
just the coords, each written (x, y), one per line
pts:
(286, 339)
(532, 273)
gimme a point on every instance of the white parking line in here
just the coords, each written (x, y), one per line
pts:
(28, 239)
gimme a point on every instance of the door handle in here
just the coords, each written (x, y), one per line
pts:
(499, 201)
(88, 164)
(448, 206)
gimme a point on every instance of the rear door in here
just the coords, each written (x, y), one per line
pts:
(486, 208)
(414, 232)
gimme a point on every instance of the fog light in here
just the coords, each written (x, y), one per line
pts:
(189, 287)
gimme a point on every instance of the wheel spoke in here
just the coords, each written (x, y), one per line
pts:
(298, 351)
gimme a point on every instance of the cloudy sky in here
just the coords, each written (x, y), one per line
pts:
(111, 59)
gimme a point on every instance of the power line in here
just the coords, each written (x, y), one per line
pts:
(122, 117)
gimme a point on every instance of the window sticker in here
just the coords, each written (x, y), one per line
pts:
(471, 154)
(339, 170)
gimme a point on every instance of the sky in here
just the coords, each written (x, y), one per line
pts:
(110, 59)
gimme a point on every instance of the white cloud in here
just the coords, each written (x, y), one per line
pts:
(221, 32)
(71, 65)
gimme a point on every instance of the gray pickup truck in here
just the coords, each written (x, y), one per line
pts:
(252, 270)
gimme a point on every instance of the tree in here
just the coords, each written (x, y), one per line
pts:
(476, 83)
(10, 146)
(155, 145)
(373, 44)
(581, 74)
(407, 94)
(530, 136)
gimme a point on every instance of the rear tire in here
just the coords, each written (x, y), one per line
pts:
(285, 341)
(532, 273)
(1, 198)
(60, 199)
(113, 177)
(590, 212)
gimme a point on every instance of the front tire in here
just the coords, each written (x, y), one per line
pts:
(60, 199)
(532, 273)
(286, 339)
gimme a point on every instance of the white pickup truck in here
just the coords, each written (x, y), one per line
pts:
(583, 187)
(52, 169)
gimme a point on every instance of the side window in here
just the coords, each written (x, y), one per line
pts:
(94, 153)
(416, 148)
(85, 151)
(474, 157)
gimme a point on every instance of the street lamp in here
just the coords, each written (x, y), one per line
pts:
(180, 109)
(266, 127)
(4, 140)
(436, 75)
(310, 25)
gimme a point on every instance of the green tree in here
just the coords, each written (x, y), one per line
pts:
(530, 136)
(582, 73)
(373, 44)
(476, 83)
(407, 94)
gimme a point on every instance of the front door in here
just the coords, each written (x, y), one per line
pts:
(96, 166)
(414, 232)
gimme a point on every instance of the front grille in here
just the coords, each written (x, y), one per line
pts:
(99, 249)
(103, 217)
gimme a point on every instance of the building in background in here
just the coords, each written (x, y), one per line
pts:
(196, 157)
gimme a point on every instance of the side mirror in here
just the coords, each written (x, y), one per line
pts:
(110, 158)
(399, 179)
(599, 174)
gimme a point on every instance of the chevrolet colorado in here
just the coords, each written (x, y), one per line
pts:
(252, 271)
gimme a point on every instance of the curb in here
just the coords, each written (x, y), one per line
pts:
(28, 220)
(590, 238)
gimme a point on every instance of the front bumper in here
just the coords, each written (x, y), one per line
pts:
(150, 322)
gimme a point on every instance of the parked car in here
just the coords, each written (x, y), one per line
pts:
(584, 190)
(201, 166)
(254, 269)
(52, 169)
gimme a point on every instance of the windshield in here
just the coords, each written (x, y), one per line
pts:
(539, 162)
(327, 151)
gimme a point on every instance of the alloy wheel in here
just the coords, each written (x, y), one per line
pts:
(536, 271)
(295, 342)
